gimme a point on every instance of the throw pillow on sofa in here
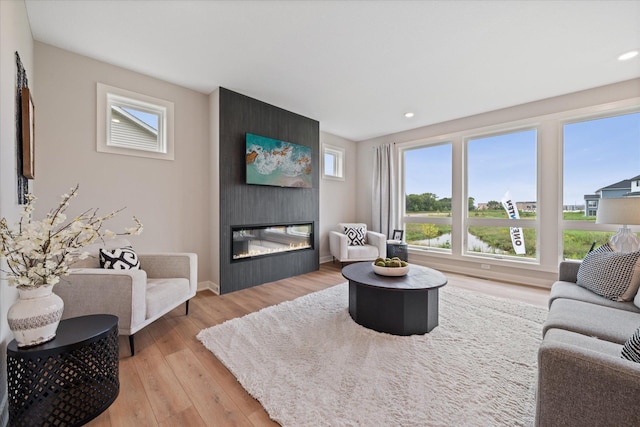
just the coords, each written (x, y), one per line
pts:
(613, 275)
(355, 235)
(631, 348)
(119, 259)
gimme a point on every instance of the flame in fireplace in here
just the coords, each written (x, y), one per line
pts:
(266, 251)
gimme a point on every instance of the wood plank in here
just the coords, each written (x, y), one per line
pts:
(164, 391)
(131, 408)
(209, 398)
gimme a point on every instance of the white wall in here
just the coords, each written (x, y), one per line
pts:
(337, 198)
(171, 198)
(15, 35)
(546, 272)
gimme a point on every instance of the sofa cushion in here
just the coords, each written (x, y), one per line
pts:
(119, 259)
(631, 348)
(356, 235)
(613, 275)
(605, 323)
(571, 290)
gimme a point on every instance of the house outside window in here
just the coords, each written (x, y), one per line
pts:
(601, 155)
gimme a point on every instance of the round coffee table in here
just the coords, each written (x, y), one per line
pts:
(405, 305)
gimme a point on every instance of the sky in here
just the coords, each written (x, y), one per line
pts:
(597, 153)
(148, 118)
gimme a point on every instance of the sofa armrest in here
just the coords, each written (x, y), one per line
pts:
(171, 265)
(378, 240)
(100, 291)
(338, 245)
(588, 384)
(568, 271)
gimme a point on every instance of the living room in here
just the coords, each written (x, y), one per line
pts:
(175, 199)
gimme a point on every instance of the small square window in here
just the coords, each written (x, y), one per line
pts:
(133, 124)
(333, 162)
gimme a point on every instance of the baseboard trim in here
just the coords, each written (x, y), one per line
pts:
(208, 285)
(325, 259)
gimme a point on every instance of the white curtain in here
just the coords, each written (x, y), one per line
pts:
(384, 206)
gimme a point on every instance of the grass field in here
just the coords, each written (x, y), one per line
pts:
(576, 242)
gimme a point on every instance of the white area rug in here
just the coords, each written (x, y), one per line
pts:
(310, 364)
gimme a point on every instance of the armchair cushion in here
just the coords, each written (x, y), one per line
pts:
(119, 259)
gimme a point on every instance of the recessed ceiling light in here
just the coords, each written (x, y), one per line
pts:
(408, 115)
(628, 55)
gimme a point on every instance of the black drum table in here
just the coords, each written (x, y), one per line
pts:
(69, 380)
(403, 305)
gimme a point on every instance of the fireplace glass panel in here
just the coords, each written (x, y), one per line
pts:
(256, 241)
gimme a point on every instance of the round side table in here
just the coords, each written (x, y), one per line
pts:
(69, 380)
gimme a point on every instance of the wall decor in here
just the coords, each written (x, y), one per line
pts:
(28, 134)
(277, 163)
(22, 182)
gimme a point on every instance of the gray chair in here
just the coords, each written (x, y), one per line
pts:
(137, 297)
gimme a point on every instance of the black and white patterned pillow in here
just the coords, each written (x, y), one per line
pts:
(119, 259)
(631, 348)
(613, 275)
(355, 235)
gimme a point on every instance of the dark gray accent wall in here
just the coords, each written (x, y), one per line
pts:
(243, 204)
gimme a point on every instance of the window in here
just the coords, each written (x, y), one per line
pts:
(427, 189)
(333, 162)
(134, 124)
(502, 194)
(601, 159)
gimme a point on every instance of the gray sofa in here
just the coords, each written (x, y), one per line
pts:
(582, 380)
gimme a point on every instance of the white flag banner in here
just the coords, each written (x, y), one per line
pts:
(517, 237)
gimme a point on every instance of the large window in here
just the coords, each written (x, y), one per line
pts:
(502, 194)
(601, 159)
(427, 204)
(522, 194)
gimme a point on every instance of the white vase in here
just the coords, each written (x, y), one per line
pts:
(35, 316)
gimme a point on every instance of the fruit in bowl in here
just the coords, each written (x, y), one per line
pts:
(390, 266)
(390, 262)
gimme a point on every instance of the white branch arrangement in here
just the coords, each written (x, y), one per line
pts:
(38, 253)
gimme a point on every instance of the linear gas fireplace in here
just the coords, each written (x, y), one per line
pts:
(264, 240)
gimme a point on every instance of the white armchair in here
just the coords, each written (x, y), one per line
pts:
(137, 297)
(375, 244)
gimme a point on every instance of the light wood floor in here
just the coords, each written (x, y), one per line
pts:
(174, 381)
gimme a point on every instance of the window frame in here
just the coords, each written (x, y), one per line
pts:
(338, 164)
(631, 106)
(110, 96)
(408, 219)
(501, 222)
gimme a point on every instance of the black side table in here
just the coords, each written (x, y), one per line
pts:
(67, 381)
(397, 249)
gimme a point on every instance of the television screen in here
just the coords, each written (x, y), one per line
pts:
(277, 163)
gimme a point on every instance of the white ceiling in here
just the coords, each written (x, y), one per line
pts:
(358, 66)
